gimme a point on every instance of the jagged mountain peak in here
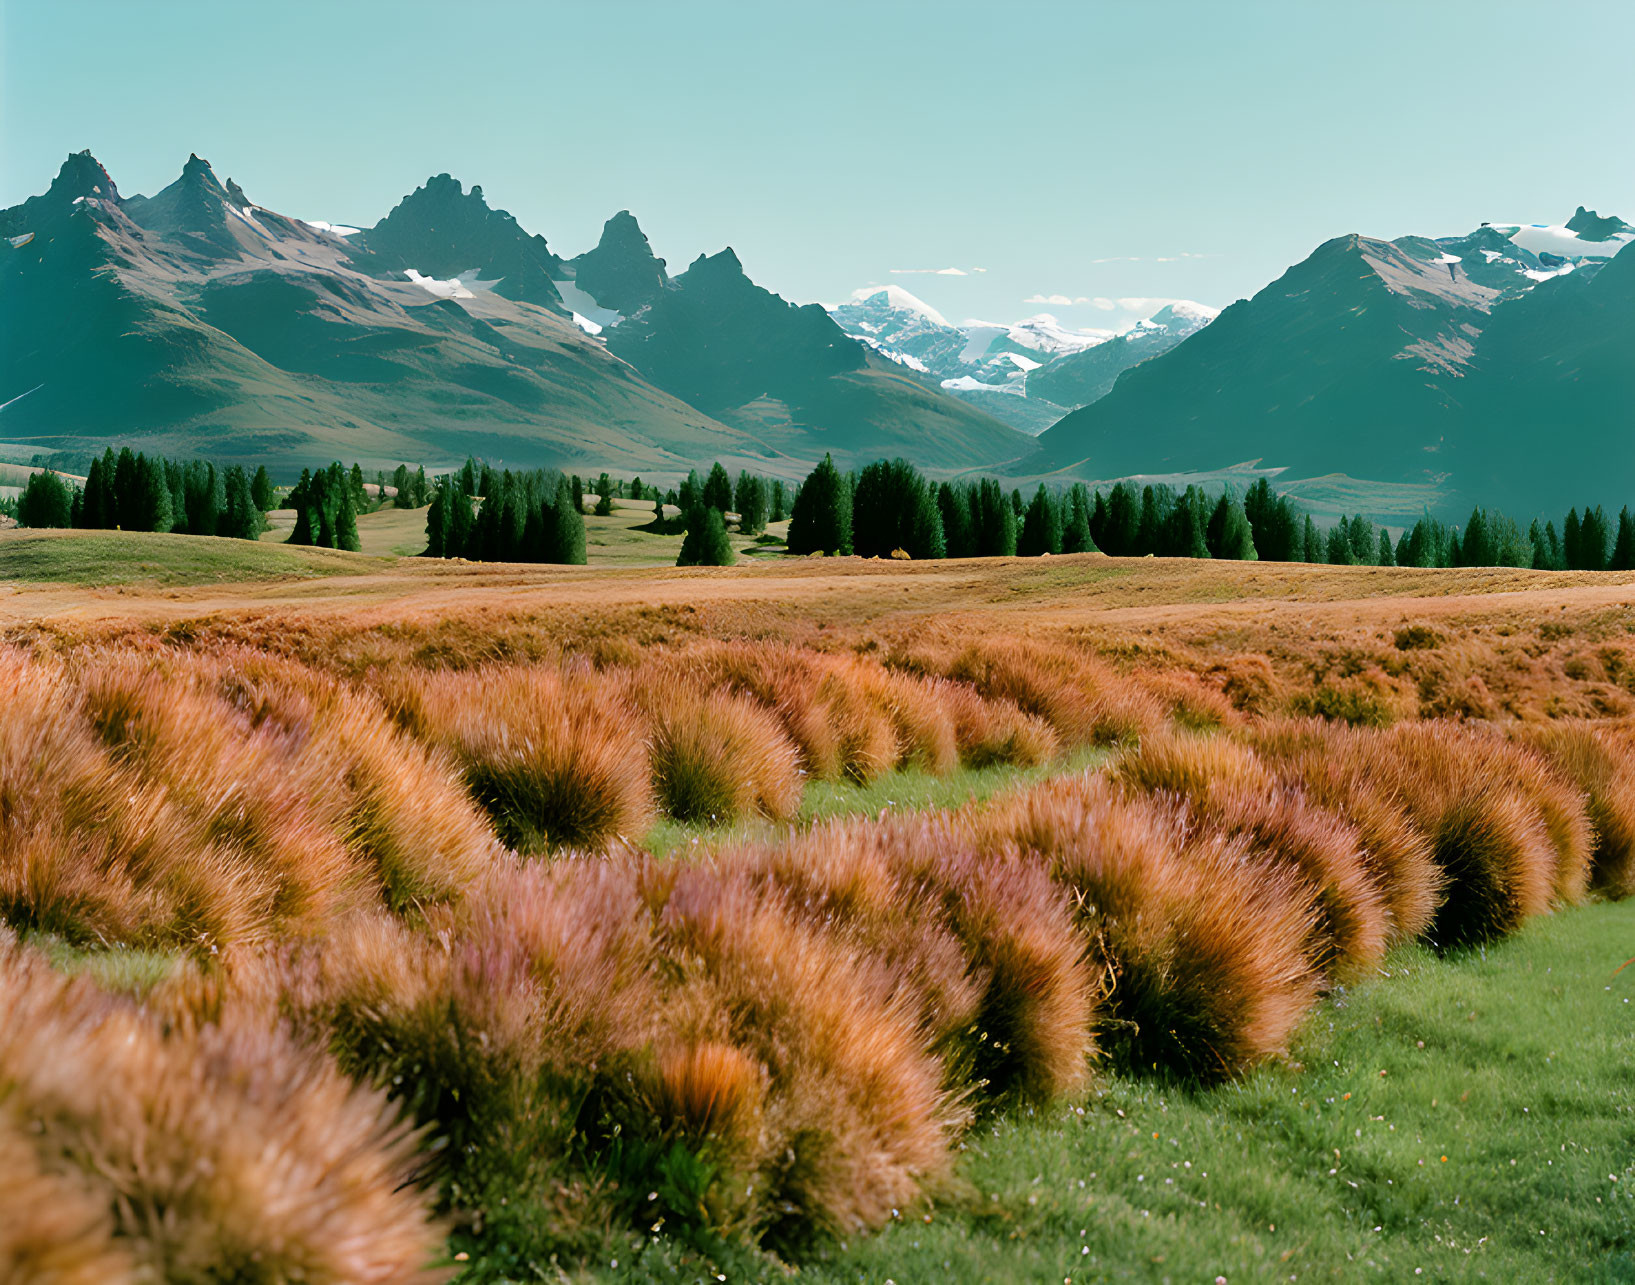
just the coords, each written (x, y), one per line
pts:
(622, 273)
(82, 175)
(1591, 226)
(441, 230)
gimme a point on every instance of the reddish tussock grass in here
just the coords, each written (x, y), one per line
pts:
(556, 759)
(716, 756)
(857, 1114)
(1322, 758)
(1200, 947)
(1229, 790)
(167, 799)
(1598, 766)
(208, 1146)
(1488, 837)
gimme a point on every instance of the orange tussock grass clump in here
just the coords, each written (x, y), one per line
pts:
(1200, 947)
(495, 1030)
(716, 756)
(1082, 700)
(215, 801)
(1488, 836)
(1600, 769)
(556, 759)
(215, 1150)
(1230, 790)
(996, 731)
(1191, 702)
(856, 1119)
(57, 1229)
(1324, 760)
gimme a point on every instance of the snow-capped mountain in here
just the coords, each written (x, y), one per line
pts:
(1498, 362)
(195, 319)
(993, 364)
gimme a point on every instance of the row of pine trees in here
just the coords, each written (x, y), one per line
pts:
(150, 493)
(887, 507)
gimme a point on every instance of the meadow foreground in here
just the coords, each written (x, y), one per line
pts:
(858, 918)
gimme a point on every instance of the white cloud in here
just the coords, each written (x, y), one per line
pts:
(1143, 306)
(1139, 258)
(932, 272)
(1105, 304)
(1060, 300)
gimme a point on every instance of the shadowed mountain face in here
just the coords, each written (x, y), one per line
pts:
(1400, 361)
(441, 231)
(726, 345)
(195, 321)
(621, 273)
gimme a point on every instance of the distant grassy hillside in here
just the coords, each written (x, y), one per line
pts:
(105, 558)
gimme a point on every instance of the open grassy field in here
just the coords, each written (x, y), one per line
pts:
(1072, 918)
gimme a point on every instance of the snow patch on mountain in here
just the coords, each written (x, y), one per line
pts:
(334, 229)
(966, 384)
(586, 309)
(900, 300)
(1557, 239)
(464, 286)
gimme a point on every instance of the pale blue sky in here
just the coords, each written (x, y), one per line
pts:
(1077, 150)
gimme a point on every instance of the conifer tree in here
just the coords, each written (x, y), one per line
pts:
(780, 509)
(1571, 550)
(565, 542)
(261, 490)
(1237, 541)
(1385, 557)
(241, 518)
(1623, 546)
(954, 508)
(346, 519)
(749, 501)
(45, 501)
(1123, 522)
(706, 543)
(1041, 526)
(822, 520)
(126, 503)
(718, 488)
(1076, 537)
(300, 501)
(1594, 534)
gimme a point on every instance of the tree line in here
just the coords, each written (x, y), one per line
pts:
(888, 506)
(486, 515)
(139, 492)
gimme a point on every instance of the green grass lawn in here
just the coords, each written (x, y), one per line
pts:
(96, 559)
(1455, 1119)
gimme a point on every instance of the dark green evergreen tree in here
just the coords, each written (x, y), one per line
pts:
(749, 502)
(954, 508)
(346, 517)
(706, 543)
(1041, 526)
(1623, 546)
(241, 517)
(718, 488)
(1385, 557)
(780, 508)
(1237, 538)
(261, 490)
(565, 537)
(822, 520)
(1076, 537)
(46, 501)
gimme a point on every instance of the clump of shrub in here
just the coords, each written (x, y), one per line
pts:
(202, 1151)
(555, 759)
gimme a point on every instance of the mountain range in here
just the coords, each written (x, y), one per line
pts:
(1029, 373)
(1500, 364)
(196, 321)
(1496, 366)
